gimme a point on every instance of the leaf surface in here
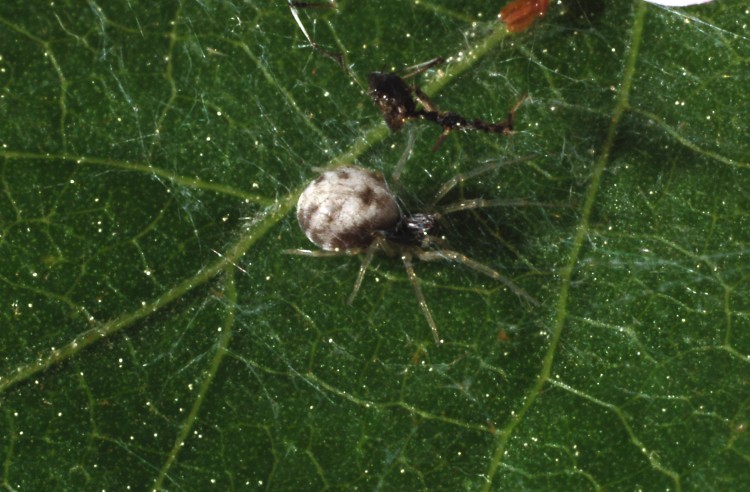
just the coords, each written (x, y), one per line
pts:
(156, 336)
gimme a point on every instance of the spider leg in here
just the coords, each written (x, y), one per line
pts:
(319, 253)
(406, 258)
(461, 177)
(450, 255)
(483, 203)
(396, 175)
(361, 275)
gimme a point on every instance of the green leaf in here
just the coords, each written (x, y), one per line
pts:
(155, 335)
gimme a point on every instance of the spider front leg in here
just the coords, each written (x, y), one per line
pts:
(486, 203)
(461, 177)
(450, 255)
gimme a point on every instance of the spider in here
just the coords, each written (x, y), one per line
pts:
(352, 211)
(397, 101)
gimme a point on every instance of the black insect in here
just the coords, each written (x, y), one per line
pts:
(399, 102)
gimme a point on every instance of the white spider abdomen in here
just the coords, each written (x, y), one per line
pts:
(344, 208)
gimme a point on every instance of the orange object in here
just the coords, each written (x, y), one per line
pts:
(519, 15)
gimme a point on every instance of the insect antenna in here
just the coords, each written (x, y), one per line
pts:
(340, 57)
